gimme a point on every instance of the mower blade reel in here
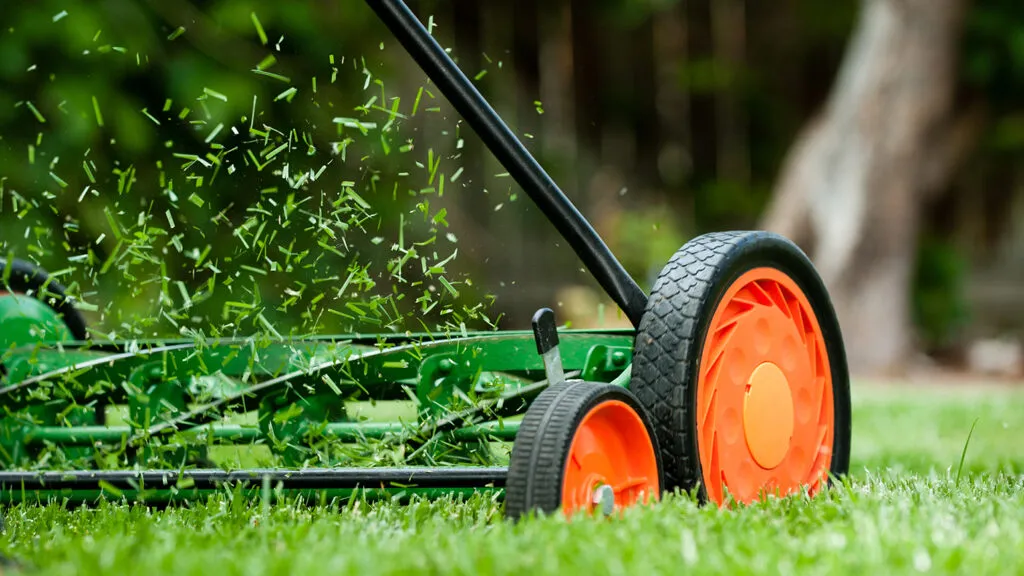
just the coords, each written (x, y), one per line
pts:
(522, 166)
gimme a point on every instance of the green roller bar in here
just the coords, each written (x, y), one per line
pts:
(344, 431)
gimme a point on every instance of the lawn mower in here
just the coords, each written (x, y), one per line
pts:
(732, 383)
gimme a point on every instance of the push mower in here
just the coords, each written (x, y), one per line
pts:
(732, 383)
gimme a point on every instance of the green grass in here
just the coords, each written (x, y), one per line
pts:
(902, 512)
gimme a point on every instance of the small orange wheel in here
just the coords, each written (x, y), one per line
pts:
(741, 349)
(583, 447)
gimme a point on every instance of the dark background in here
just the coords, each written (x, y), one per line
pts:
(661, 119)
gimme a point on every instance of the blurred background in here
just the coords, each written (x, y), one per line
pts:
(224, 166)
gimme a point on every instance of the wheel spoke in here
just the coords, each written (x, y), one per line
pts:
(758, 294)
(719, 345)
(629, 486)
(824, 455)
(709, 412)
(576, 461)
(812, 356)
(715, 470)
(735, 310)
(797, 314)
(774, 290)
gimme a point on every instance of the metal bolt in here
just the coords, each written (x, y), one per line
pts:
(618, 358)
(446, 366)
(604, 498)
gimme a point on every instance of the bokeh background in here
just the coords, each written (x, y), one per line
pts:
(884, 136)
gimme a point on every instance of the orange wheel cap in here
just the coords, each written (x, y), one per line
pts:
(768, 415)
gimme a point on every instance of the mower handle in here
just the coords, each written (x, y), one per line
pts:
(521, 165)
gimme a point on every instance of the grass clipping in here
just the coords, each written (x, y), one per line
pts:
(256, 223)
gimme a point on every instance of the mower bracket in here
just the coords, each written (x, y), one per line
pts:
(606, 363)
(545, 332)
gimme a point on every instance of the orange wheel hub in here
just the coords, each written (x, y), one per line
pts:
(611, 453)
(764, 396)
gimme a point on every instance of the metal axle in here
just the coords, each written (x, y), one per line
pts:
(309, 478)
(164, 487)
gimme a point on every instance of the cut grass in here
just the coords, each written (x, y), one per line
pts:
(903, 511)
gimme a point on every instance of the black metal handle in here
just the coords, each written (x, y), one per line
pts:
(522, 166)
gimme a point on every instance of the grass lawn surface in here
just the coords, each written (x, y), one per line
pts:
(909, 507)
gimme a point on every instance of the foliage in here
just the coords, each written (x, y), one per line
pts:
(234, 175)
(993, 52)
(940, 308)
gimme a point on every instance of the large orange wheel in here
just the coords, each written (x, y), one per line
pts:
(583, 448)
(740, 360)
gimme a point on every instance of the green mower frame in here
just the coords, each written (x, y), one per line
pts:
(737, 341)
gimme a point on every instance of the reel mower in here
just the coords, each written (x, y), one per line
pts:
(732, 383)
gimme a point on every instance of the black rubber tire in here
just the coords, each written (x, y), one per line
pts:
(541, 449)
(29, 279)
(670, 341)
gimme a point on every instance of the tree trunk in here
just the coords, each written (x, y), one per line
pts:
(855, 183)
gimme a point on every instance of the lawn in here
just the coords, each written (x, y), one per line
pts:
(909, 507)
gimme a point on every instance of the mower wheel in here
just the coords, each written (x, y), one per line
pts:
(740, 361)
(28, 279)
(583, 447)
